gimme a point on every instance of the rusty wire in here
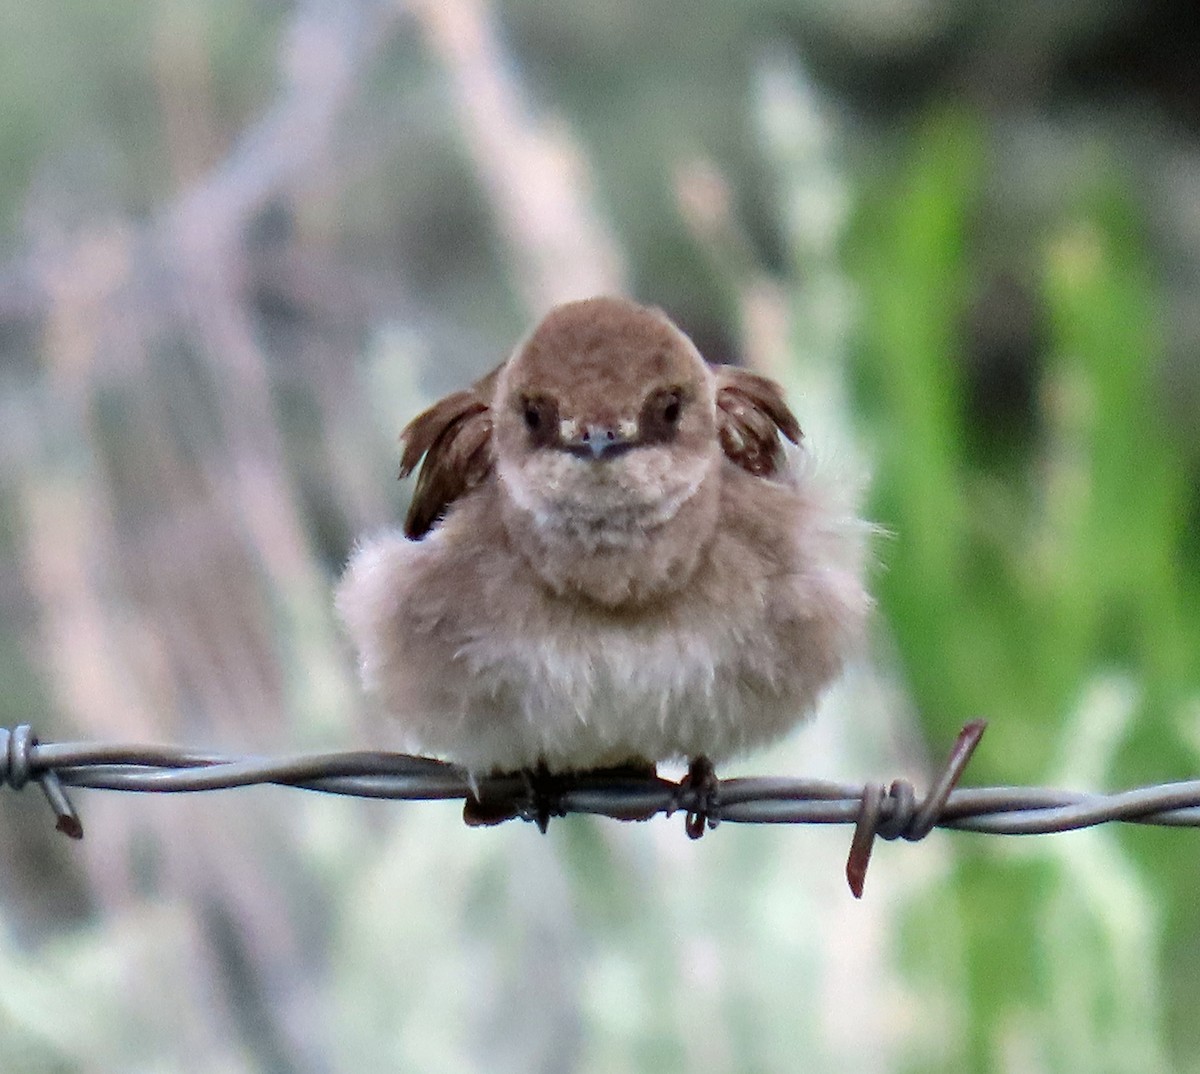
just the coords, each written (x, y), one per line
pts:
(891, 812)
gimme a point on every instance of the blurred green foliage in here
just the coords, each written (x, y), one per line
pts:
(1007, 592)
(1010, 593)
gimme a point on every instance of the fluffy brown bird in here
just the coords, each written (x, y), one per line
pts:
(610, 559)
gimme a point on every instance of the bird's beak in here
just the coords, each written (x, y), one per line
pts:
(595, 442)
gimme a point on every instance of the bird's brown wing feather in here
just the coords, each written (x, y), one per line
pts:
(454, 438)
(751, 415)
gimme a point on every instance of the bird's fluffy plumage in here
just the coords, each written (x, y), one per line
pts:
(608, 559)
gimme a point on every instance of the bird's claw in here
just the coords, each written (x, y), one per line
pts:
(543, 796)
(704, 787)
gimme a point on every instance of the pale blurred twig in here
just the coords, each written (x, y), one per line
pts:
(534, 172)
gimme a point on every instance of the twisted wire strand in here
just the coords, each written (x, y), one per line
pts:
(891, 812)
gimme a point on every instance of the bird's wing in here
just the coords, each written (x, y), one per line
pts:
(751, 413)
(454, 437)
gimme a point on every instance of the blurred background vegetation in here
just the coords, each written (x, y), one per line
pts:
(243, 241)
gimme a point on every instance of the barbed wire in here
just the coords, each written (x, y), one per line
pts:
(889, 812)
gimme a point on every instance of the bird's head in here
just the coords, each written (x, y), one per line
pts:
(603, 423)
(604, 419)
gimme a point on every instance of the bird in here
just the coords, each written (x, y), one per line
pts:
(615, 555)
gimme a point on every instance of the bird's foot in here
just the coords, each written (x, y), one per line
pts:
(544, 789)
(536, 794)
(626, 786)
(701, 780)
(531, 794)
(485, 806)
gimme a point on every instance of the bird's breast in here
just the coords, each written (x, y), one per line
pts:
(596, 692)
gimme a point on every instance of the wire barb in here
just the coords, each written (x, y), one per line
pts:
(627, 793)
(906, 819)
(17, 768)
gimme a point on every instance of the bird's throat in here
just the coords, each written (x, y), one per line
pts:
(618, 558)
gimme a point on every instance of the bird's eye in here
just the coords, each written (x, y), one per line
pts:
(661, 413)
(540, 415)
(671, 407)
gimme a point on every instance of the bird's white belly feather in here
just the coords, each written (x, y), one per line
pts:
(612, 697)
